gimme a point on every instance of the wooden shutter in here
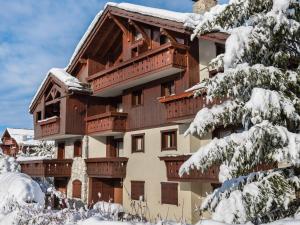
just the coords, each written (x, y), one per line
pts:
(77, 149)
(137, 189)
(169, 193)
(76, 189)
(61, 151)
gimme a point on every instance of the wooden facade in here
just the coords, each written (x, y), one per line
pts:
(126, 59)
(47, 168)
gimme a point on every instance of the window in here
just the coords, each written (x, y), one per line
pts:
(220, 49)
(169, 140)
(222, 132)
(77, 148)
(169, 193)
(168, 88)
(138, 190)
(38, 116)
(137, 98)
(138, 144)
(76, 189)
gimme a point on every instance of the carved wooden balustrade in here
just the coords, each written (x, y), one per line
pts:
(155, 61)
(106, 122)
(173, 164)
(47, 167)
(107, 167)
(48, 127)
(7, 141)
(184, 106)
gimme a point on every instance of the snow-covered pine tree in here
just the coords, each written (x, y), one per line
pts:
(43, 149)
(261, 84)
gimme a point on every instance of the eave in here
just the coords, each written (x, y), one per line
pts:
(146, 19)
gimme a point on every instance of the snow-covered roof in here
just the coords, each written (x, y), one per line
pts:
(22, 136)
(70, 82)
(188, 20)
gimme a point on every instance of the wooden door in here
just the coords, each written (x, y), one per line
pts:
(118, 192)
(61, 151)
(103, 187)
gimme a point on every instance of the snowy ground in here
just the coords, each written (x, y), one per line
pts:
(22, 202)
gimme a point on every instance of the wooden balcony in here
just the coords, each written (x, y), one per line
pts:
(173, 164)
(106, 123)
(107, 167)
(49, 127)
(47, 167)
(69, 123)
(183, 108)
(161, 62)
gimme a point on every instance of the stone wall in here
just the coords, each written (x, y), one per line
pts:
(79, 172)
(202, 6)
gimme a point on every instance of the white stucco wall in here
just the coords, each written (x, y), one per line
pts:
(148, 167)
(207, 52)
(97, 147)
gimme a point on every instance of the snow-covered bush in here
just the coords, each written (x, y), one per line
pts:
(20, 187)
(260, 83)
(8, 164)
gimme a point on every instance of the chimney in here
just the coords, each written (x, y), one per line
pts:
(202, 6)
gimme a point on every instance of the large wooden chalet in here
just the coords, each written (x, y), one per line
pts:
(119, 111)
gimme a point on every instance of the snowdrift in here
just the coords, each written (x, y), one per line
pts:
(21, 188)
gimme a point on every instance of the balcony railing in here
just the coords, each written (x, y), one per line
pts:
(47, 167)
(8, 141)
(173, 164)
(157, 63)
(107, 167)
(48, 127)
(184, 107)
(106, 122)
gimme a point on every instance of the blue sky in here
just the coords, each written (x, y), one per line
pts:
(37, 35)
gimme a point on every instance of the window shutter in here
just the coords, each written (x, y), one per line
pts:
(137, 189)
(169, 193)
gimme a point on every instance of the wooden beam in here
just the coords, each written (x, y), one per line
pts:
(120, 25)
(104, 36)
(142, 31)
(82, 61)
(110, 44)
(168, 34)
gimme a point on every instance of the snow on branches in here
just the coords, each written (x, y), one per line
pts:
(261, 90)
(249, 197)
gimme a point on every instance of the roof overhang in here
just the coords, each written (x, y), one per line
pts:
(113, 10)
(51, 78)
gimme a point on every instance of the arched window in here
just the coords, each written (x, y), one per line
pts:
(77, 189)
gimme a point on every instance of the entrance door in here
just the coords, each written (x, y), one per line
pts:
(61, 151)
(118, 192)
(104, 187)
